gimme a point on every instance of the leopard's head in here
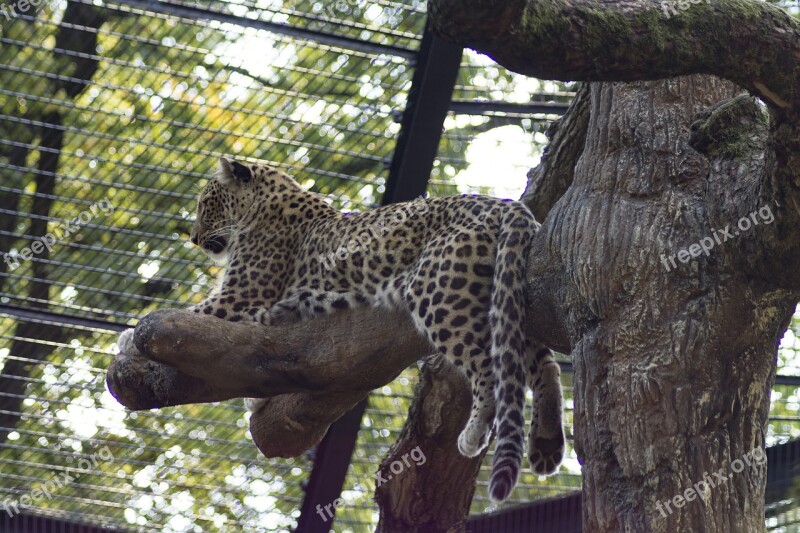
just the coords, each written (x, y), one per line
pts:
(222, 206)
(241, 198)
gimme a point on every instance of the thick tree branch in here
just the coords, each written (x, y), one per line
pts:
(338, 353)
(313, 372)
(551, 178)
(749, 42)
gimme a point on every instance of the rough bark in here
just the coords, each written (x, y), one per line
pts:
(312, 380)
(314, 372)
(672, 369)
(548, 181)
(673, 366)
(624, 40)
(433, 496)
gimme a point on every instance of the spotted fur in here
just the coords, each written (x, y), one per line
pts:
(455, 264)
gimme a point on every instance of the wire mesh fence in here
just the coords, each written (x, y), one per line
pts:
(111, 118)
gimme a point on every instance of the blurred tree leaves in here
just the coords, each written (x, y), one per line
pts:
(168, 95)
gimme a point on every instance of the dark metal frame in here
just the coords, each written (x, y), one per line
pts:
(197, 13)
(430, 96)
(485, 108)
(30, 523)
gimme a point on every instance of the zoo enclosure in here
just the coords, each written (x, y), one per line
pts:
(130, 102)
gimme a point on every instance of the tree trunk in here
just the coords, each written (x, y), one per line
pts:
(434, 494)
(668, 264)
(33, 342)
(673, 364)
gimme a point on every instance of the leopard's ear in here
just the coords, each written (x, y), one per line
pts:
(230, 171)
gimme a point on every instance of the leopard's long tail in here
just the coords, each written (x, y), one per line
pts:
(508, 347)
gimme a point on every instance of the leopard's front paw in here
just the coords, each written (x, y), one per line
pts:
(125, 343)
(472, 441)
(280, 314)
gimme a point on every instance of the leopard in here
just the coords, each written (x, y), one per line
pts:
(454, 264)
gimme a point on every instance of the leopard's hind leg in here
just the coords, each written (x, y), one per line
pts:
(454, 314)
(546, 438)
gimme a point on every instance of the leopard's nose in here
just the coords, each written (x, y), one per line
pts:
(193, 238)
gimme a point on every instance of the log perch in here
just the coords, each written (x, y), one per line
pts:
(312, 372)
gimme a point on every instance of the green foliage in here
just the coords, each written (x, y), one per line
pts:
(168, 96)
(143, 132)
